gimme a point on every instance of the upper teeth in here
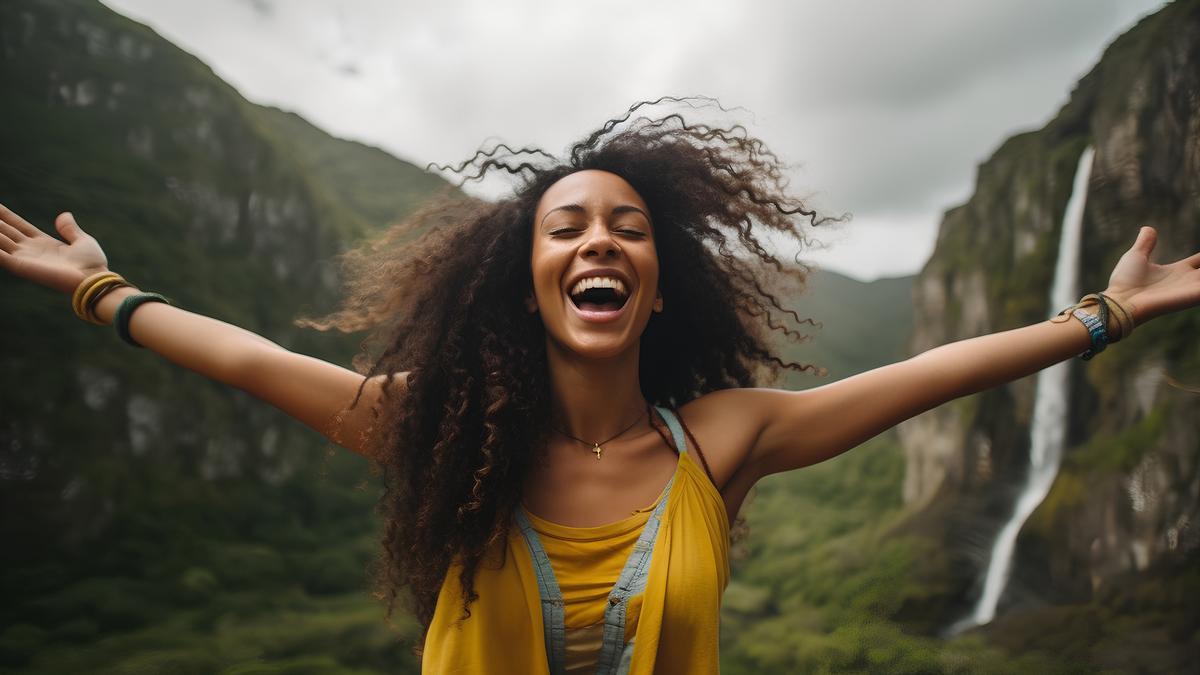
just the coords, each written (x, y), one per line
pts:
(617, 285)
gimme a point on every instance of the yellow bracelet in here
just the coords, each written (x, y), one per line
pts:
(105, 287)
(90, 292)
(92, 295)
(84, 285)
(88, 287)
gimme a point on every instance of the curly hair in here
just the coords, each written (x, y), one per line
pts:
(444, 294)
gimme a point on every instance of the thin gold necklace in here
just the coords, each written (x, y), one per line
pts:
(598, 446)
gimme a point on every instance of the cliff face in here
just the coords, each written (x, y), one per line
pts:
(232, 210)
(1128, 494)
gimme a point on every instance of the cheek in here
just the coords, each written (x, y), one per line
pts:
(544, 272)
(650, 272)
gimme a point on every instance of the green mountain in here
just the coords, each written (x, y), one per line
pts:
(148, 514)
(859, 325)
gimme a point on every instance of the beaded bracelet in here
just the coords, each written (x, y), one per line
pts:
(1097, 324)
(125, 311)
(1096, 330)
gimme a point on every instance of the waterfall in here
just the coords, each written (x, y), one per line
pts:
(1049, 428)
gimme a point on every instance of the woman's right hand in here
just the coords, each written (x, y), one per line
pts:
(31, 254)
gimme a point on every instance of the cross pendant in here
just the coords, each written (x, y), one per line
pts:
(597, 449)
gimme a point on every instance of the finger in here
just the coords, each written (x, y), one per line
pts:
(12, 263)
(1146, 239)
(1192, 260)
(68, 228)
(7, 245)
(18, 222)
(11, 232)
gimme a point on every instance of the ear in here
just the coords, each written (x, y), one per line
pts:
(658, 302)
(531, 304)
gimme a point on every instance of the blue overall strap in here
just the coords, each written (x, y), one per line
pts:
(553, 621)
(675, 427)
(631, 582)
(626, 658)
(614, 653)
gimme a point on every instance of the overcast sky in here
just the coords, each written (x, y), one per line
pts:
(884, 107)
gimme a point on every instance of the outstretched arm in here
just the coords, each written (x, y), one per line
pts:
(313, 391)
(796, 429)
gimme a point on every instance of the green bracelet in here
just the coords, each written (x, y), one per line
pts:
(125, 310)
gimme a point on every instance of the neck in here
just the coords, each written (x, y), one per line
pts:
(594, 399)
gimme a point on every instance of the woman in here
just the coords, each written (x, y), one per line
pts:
(562, 401)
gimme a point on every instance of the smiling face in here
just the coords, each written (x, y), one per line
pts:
(594, 264)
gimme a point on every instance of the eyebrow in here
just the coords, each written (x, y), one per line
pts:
(617, 210)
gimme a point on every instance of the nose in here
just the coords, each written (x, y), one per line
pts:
(600, 243)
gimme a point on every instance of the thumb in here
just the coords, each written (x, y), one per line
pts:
(68, 228)
(1146, 239)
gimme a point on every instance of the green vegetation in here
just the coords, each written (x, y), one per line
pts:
(1122, 452)
(1146, 623)
(351, 177)
(156, 521)
(205, 576)
(834, 568)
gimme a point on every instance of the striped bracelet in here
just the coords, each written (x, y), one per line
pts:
(1096, 330)
(1098, 324)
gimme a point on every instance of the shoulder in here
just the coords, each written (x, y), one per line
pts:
(727, 425)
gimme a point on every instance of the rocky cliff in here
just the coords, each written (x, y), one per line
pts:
(137, 498)
(1128, 495)
(230, 209)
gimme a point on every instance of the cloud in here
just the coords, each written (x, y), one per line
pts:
(262, 7)
(885, 108)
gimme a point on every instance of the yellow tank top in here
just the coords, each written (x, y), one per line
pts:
(676, 619)
(586, 562)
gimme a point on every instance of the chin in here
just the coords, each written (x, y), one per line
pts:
(598, 348)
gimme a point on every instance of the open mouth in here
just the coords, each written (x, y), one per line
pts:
(599, 294)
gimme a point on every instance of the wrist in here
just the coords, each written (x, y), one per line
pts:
(1108, 319)
(1123, 297)
(107, 307)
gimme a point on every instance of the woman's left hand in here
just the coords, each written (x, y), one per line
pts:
(1153, 290)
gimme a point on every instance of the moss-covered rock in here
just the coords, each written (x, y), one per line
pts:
(1129, 489)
